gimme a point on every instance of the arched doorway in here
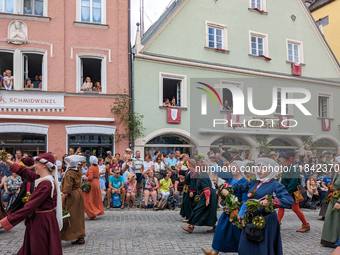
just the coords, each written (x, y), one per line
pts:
(169, 142)
(228, 142)
(282, 144)
(325, 144)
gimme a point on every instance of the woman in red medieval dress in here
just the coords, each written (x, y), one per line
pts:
(43, 211)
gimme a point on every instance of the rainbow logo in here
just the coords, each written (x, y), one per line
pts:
(209, 93)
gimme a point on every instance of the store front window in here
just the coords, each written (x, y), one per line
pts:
(227, 142)
(325, 145)
(32, 144)
(97, 144)
(282, 144)
(169, 142)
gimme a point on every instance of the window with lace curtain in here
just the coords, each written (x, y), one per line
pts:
(7, 6)
(33, 7)
(91, 11)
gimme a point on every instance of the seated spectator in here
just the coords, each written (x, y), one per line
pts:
(102, 171)
(166, 102)
(97, 87)
(312, 185)
(108, 174)
(116, 185)
(131, 190)
(159, 168)
(87, 85)
(226, 106)
(84, 168)
(1, 78)
(28, 84)
(163, 157)
(179, 184)
(151, 186)
(5, 173)
(173, 102)
(8, 80)
(114, 165)
(12, 187)
(40, 83)
(147, 164)
(327, 180)
(36, 82)
(165, 185)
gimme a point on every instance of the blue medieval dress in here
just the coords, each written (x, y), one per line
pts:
(227, 235)
(272, 243)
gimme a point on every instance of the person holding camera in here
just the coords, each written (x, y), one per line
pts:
(151, 186)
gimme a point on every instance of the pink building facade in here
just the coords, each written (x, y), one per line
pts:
(50, 47)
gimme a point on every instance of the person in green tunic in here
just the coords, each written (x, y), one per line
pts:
(189, 190)
(331, 230)
(205, 212)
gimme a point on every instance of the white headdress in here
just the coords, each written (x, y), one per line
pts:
(271, 166)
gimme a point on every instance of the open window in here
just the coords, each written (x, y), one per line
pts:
(6, 63)
(33, 70)
(91, 74)
(172, 88)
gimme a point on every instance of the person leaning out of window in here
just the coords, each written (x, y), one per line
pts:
(28, 84)
(87, 85)
(97, 87)
(166, 102)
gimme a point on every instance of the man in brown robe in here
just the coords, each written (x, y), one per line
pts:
(73, 202)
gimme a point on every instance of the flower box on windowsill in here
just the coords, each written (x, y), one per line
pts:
(258, 11)
(218, 50)
(260, 56)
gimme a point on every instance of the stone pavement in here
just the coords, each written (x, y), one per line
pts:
(149, 232)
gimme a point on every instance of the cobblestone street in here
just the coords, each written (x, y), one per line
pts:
(149, 232)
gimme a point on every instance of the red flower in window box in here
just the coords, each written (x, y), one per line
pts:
(256, 9)
(268, 59)
(221, 49)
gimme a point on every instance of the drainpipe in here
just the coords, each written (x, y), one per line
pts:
(130, 62)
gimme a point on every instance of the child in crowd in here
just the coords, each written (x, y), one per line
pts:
(131, 190)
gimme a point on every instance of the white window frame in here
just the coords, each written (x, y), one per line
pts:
(329, 106)
(300, 44)
(79, 81)
(263, 5)
(18, 8)
(2, 8)
(44, 74)
(44, 9)
(265, 42)
(216, 26)
(78, 12)
(237, 84)
(289, 106)
(183, 78)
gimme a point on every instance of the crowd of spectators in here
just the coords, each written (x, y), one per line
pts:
(157, 176)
